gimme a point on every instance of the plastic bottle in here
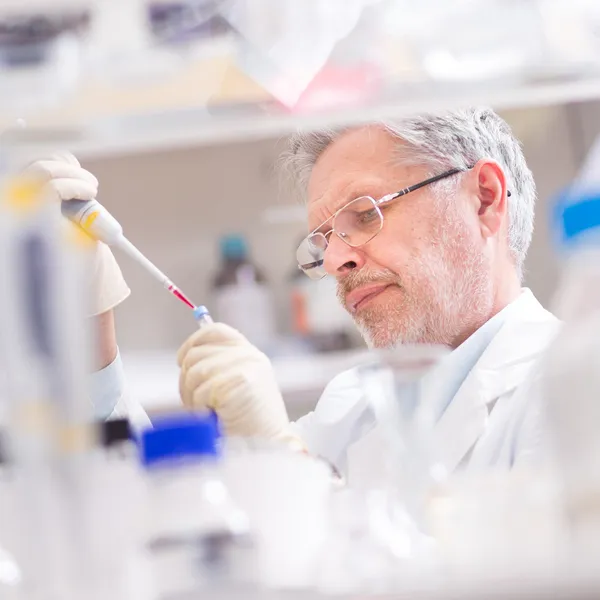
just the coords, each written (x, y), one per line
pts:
(199, 539)
(317, 315)
(120, 570)
(571, 368)
(242, 297)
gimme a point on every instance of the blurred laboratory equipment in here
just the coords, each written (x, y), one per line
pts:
(10, 572)
(277, 52)
(317, 315)
(524, 539)
(199, 540)
(117, 489)
(399, 453)
(241, 294)
(571, 376)
(370, 546)
(41, 53)
(286, 497)
(45, 352)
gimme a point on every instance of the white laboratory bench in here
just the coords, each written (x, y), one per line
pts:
(153, 377)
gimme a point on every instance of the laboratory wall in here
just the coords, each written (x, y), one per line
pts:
(175, 204)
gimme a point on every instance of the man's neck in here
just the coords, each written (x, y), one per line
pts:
(506, 291)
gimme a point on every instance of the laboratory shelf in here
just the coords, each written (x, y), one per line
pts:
(181, 128)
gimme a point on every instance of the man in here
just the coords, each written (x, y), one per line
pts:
(425, 224)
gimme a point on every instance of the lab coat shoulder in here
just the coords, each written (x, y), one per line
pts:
(515, 431)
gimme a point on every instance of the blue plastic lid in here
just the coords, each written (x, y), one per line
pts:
(179, 436)
(577, 213)
(234, 247)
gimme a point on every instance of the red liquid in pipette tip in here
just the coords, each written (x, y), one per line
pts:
(181, 296)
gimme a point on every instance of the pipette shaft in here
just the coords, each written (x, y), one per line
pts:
(97, 222)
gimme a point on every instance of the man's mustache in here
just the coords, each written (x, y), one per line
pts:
(356, 279)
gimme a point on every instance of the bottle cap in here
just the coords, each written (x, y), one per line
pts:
(179, 436)
(234, 247)
(577, 216)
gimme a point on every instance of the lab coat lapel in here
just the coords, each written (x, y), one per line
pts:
(502, 367)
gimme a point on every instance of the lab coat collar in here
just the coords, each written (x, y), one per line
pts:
(526, 330)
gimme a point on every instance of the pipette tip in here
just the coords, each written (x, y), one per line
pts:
(179, 294)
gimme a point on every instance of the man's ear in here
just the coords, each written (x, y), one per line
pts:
(491, 196)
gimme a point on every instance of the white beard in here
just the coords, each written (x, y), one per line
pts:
(455, 286)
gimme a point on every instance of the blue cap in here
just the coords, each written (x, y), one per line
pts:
(576, 214)
(234, 246)
(180, 436)
(200, 311)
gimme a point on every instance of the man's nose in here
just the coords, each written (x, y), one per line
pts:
(340, 259)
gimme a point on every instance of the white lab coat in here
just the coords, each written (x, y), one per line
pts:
(494, 420)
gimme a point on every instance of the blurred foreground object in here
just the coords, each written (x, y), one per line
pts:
(572, 368)
(199, 540)
(45, 351)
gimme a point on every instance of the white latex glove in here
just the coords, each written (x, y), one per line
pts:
(64, 179)
(221, 370)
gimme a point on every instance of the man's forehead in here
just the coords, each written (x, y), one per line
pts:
(356, 152)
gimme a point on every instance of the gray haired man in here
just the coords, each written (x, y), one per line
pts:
(425, 224)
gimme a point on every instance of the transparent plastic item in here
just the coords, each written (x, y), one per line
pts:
(284, 43)
(285, 495)
(571, 367)
(117, 542)
(404, 412)
(199, 539)
(373, 547)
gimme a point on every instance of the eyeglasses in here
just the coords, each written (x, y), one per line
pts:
(356, 223)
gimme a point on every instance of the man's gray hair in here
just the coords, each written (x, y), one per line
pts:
(440, 142)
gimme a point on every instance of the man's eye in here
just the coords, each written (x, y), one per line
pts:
(367, 216)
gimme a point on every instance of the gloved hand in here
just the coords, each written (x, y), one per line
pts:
(221, 370)
(63, 178)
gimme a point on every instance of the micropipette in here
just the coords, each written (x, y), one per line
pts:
(97, 222)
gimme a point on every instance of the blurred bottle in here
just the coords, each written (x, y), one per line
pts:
(199, 538)
(117, 543)
(317, 315)
(242, 297)
(571, 382)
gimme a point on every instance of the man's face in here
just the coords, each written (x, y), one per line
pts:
(425, 278)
